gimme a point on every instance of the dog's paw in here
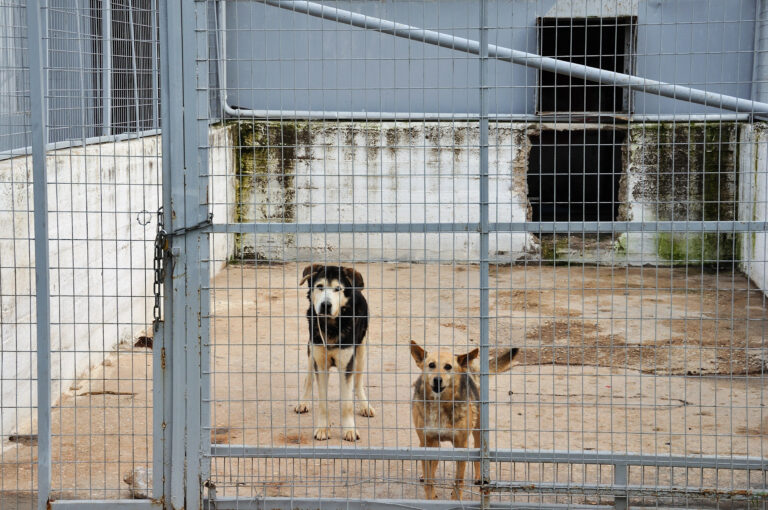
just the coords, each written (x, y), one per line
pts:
(301, 408)
(322, 433)
(367, 411)
(351, 435)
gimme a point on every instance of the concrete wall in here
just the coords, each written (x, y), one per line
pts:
(100, 256)
(753, 199)
(681, 172)
(427, 172)
(377, 173)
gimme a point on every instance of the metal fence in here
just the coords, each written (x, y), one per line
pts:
(583, 182)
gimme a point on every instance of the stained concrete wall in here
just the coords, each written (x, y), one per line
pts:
(309, 172)
(680, 172)
(100, 256)
(427, 172)
(753, 199)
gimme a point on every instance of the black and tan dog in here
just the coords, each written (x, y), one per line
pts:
(338, 322)
(446, 407)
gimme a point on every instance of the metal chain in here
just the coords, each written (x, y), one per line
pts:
(161, 239)
(162, 256)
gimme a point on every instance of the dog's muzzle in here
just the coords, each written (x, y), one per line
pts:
(324, 308)
(437, 385)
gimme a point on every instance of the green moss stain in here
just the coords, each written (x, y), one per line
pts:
(688, 172)
(620, 246)
(554, 249)
(265, 159)
(702, 248)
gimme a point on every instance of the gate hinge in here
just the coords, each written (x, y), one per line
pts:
(211, 503)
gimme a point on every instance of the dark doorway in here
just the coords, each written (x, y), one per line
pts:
(596, 42)
(574, 175)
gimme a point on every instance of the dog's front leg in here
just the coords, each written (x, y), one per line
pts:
(347, 406)
(459, 441)
(306, 394)
(362, 398)
(322, 431)
(478, 472)
(430, 467)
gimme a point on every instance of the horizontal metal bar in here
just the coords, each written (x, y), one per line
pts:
(594, 74)
(233, 503)
(589, 227)
(577, 119)
(341, 228)
(336, 452)
(367, 116)
(68, 144)
(538, 227)
(106, 504)
(616, 489)
(499, 455)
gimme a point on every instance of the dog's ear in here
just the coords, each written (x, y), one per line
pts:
(309, 271)
(354, 277)
(418, 353)
(465, 359)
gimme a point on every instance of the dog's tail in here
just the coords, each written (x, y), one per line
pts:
(500, 361)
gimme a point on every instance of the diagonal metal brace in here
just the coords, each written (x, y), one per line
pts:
(638, 83)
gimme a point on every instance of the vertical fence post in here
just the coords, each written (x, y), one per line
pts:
(194, 68)
(134, 67)
(155, 71)
(201, 210)
(37, 92)
(620, 477)
(484, 256)
(175, 327)
(106, 66)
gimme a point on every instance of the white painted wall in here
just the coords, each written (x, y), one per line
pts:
(101, 259)
(397, 173)
(753, 199)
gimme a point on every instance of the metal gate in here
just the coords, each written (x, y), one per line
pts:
(636, 299)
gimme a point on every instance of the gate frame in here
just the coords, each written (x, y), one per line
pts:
(181, 448)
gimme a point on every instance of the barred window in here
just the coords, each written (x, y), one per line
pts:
(126, 52)
(596, 42)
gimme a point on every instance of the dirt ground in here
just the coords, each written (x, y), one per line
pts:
(640, 360)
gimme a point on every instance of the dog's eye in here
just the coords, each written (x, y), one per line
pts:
(447, 367)
(432, 365)
(319, 286)
(337, 289)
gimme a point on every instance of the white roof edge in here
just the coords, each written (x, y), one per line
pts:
(592, 8)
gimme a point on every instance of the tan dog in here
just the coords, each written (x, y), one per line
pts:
(446, 407)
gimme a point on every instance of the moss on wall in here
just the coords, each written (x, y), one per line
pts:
(688, 172)
(703, 248)
(265, 164)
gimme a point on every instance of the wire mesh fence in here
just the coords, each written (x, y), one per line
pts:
(529, 236)
(103, 194)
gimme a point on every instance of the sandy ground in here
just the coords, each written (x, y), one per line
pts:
(641, 360)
